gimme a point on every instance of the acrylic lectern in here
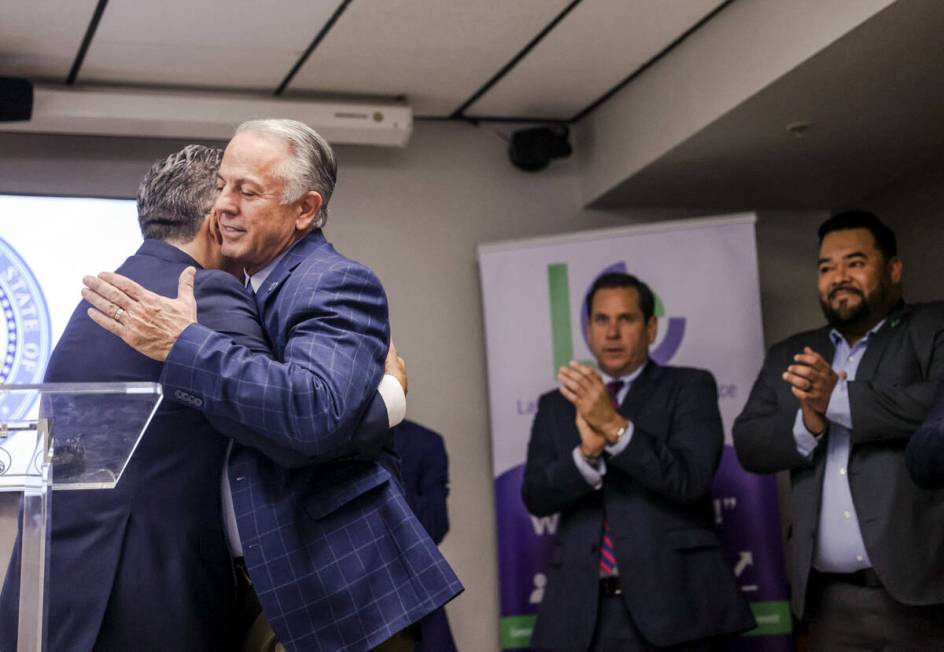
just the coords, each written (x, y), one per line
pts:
(80, 437)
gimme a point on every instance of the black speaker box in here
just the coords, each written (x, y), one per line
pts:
(532, 149)
(16, 99)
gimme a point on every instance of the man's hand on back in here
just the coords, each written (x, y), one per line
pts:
(148, 322)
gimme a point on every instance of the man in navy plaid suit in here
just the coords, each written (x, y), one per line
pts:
(337, 559)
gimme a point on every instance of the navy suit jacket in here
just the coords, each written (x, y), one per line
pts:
(425, 469)
(656, 495)
(338, 560)
(143, 566)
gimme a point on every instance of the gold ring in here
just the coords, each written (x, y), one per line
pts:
(118, 312)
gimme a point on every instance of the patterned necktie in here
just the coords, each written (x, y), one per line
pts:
(607, 553)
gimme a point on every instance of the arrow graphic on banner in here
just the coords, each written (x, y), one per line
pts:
(747, 559)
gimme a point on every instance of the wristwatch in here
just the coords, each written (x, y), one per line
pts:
(619, 434)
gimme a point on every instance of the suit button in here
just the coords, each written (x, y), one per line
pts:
(240, 478)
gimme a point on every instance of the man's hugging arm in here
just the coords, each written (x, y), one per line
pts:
(331, 363)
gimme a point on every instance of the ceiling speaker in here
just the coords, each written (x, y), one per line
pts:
(532, 149)
(16, 99)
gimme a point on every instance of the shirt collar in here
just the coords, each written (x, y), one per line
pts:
(628, 378)
(837, 337)
(257, 279)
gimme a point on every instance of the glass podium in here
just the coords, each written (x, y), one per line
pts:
(82, 437)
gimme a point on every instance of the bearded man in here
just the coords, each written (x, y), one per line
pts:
(836, 408)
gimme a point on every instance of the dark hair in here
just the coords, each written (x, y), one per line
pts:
(611, 280)
(177, 193)
(884, 237)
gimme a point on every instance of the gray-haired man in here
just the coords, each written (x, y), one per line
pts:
(338, 559)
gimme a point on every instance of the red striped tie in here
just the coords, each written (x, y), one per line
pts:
(607, 553)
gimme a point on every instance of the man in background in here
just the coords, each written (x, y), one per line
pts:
(836, 407)
(925, 453)
(337, 559)
(425, 469)
(627, 455)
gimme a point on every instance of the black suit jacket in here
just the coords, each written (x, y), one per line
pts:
(657, 498)
(924, 455)
(902, 525)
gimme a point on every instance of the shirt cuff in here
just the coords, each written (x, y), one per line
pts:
(839, 411)
(593, 474)
(620, 446)
(806, 442)
(393, 397)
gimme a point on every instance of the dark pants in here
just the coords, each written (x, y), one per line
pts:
(616, 632)
(844, 616)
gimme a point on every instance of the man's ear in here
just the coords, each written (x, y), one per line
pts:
(308, 207)
(894, 270)
(652, 329)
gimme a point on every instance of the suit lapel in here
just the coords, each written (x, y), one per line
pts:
(878, 342)
(292, 258)
(641, 389)
(822, 343)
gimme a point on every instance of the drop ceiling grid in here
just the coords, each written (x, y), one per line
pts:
(599, 44)
(236, 44)
(40, 38)
(437, 54)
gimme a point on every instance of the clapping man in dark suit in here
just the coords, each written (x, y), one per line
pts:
(337, 558)
(836, 407)
(627, 455)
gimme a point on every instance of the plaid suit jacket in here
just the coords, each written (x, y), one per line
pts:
(338, 560)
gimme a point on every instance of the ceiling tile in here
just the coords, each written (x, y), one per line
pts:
(600, 43)
(437, 54)
(237, 44)
(40, 38)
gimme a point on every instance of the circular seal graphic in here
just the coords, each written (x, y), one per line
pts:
(25, 331)
(6, 460)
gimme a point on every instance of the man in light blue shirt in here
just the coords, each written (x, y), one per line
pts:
(836, 407)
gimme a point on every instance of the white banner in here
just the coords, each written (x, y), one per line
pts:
(704, 274)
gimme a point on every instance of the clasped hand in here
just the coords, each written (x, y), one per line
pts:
(812, 380)
(597, 420)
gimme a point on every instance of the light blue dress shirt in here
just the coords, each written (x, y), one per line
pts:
(593, 473)
(839, 546)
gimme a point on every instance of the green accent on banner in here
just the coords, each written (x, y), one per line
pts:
(516, 632)
(773, 619)
(558, 285)
(659, 309)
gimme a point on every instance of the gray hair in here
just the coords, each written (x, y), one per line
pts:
(177, 193)
(313, 165)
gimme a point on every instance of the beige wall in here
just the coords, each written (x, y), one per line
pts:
(914, 207)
